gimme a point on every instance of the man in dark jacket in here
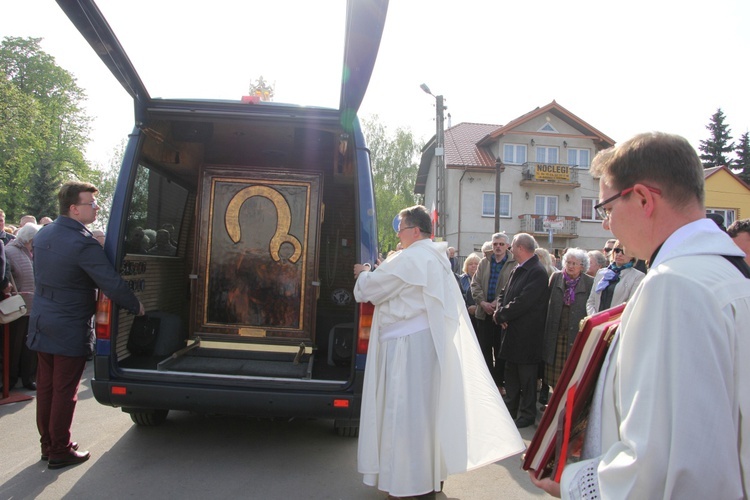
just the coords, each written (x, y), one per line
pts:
(69, 266)
(521, 312)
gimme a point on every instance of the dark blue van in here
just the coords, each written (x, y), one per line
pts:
(237, 224)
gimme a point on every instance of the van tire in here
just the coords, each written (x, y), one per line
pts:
(345, 430)
(149, 418)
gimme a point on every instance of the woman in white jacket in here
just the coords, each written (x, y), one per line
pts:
(615, 284)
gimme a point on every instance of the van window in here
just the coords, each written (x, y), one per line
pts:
(155, 215)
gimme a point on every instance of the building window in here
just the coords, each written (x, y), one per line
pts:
(547, 127)
(545, 154)
(544, 205)
(587, 210)
(579, 157)
(488, 205)
(514, 153)
(727, 213)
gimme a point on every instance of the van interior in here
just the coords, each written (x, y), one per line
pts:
(221, 301)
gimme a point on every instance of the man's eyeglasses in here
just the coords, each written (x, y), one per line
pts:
(404, 229)
(607, 249)
(618, 250)
(499, 244)
(92, 204)
(604, 212)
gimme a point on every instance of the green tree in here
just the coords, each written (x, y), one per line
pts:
(714, 150)
(44, 183)
(395, 162)
(60, 126)
(742, 162)
(106, 183)
(18, 141)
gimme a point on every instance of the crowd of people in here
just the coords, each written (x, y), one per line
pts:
(578, 284)
(18, 278)
(669, 412)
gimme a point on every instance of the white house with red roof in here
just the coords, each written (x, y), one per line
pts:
(545, 187)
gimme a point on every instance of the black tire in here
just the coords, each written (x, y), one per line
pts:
(149, 418)
(346, 430)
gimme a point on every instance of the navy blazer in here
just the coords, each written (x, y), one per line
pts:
(69, 266)
(524, 308)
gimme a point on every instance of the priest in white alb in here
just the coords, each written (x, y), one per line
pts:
(429, 406)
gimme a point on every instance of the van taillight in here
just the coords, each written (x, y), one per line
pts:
(366, 310)
(103, 317)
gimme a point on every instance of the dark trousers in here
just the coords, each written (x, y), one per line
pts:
(57, 382)
(520, 387)
(488, 335)
(22, 361)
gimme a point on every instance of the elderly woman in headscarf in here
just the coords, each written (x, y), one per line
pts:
(614, 284)
(23, 361)
(569, 291)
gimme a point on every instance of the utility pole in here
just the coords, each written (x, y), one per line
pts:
(499, 169)
(440, 191)
(440, 166)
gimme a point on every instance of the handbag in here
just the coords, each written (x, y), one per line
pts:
(12, 308)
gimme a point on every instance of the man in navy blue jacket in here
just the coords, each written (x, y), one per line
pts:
(69, 266)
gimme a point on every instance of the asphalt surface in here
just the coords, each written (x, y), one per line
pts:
(194, 456)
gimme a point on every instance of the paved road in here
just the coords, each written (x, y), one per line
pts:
(193, 456)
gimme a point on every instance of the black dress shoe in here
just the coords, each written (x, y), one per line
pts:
(73, 447)
(30, 385)
(523, 422)
(72, 458)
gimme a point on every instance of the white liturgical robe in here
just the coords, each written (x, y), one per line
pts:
(426, 377)
(675, 389)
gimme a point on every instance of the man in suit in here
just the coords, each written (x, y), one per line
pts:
(69, 266)
(491, 277)
(522, 312)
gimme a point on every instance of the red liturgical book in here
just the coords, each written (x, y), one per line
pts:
(560, 433)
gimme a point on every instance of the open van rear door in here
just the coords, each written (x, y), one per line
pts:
(364, 28)
(257, 264)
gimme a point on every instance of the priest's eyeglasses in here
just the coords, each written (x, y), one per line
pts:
(605, 212)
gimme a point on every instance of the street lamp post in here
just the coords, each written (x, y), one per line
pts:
(440, 194)
(499, 169)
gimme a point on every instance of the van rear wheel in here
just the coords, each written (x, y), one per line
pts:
(149, 418)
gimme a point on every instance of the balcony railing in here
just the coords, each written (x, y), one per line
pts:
(565, 226)
(555, 174)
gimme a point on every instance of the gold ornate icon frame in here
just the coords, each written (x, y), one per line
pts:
(257, 258)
